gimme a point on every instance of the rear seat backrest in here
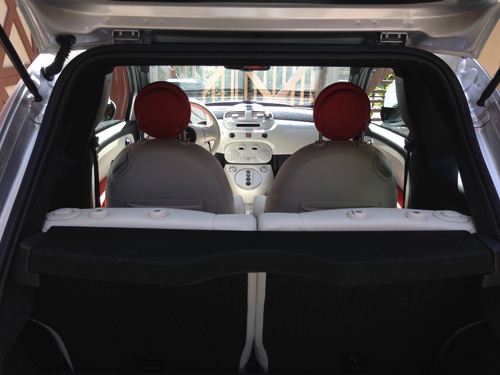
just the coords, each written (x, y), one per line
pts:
(269, 338)
(312, 326)
(166, 171)
(366, 219)
(147, 217)
(358, 219)
(341, 172)
(149, 327)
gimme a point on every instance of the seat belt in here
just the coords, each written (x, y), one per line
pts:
(409, 147)
(97, 191)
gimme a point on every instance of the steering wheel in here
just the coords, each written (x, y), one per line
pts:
(204, 128)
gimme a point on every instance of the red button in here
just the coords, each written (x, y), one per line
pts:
(249, 135)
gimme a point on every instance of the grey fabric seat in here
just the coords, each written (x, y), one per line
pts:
(166, 171)
(339, 173)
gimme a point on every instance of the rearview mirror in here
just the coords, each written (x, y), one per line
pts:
(247, 68)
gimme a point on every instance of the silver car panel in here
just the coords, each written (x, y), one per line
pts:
(19, 126)
(458, 27)
(486, 120)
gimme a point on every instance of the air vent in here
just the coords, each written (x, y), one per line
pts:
(258, 114)
(235, 114)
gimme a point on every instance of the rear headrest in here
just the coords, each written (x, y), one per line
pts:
(341, 111)
(162, 110)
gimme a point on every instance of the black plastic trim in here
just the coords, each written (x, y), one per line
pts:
(493, 279)
(184, 257)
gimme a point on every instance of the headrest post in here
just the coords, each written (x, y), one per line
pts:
(362, 137)
(183, 136)
(320, 138)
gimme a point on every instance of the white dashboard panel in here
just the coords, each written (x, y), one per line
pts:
(284, 129)
(248, 152)
(284, 138)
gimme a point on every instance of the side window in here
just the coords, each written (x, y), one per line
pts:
(118, 102)
(112, 132)
(384, 102)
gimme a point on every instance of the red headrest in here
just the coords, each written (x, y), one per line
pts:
(162, 110)
(341, 111)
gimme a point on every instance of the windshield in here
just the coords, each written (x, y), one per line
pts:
(290, 85)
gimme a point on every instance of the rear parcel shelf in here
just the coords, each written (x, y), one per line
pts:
(185, 257)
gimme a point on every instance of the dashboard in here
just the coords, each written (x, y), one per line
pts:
(251, 134)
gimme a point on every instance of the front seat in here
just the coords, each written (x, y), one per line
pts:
(339, 173)
(167, 171)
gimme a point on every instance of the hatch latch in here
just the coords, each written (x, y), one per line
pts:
(127, 37)
(393, 39)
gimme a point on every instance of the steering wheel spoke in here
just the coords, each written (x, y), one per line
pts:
(204, 126)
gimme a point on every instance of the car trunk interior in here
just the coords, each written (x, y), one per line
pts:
(177, 301)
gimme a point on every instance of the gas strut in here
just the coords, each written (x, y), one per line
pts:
(66, 42)
(18, 64)
(489, 89)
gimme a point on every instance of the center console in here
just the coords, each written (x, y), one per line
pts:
(249, 180)
(247, 151)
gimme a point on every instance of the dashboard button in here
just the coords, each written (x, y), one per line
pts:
(264, 155)
(264, 135)
(232, 155)
(248, 181)
(267, 124)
